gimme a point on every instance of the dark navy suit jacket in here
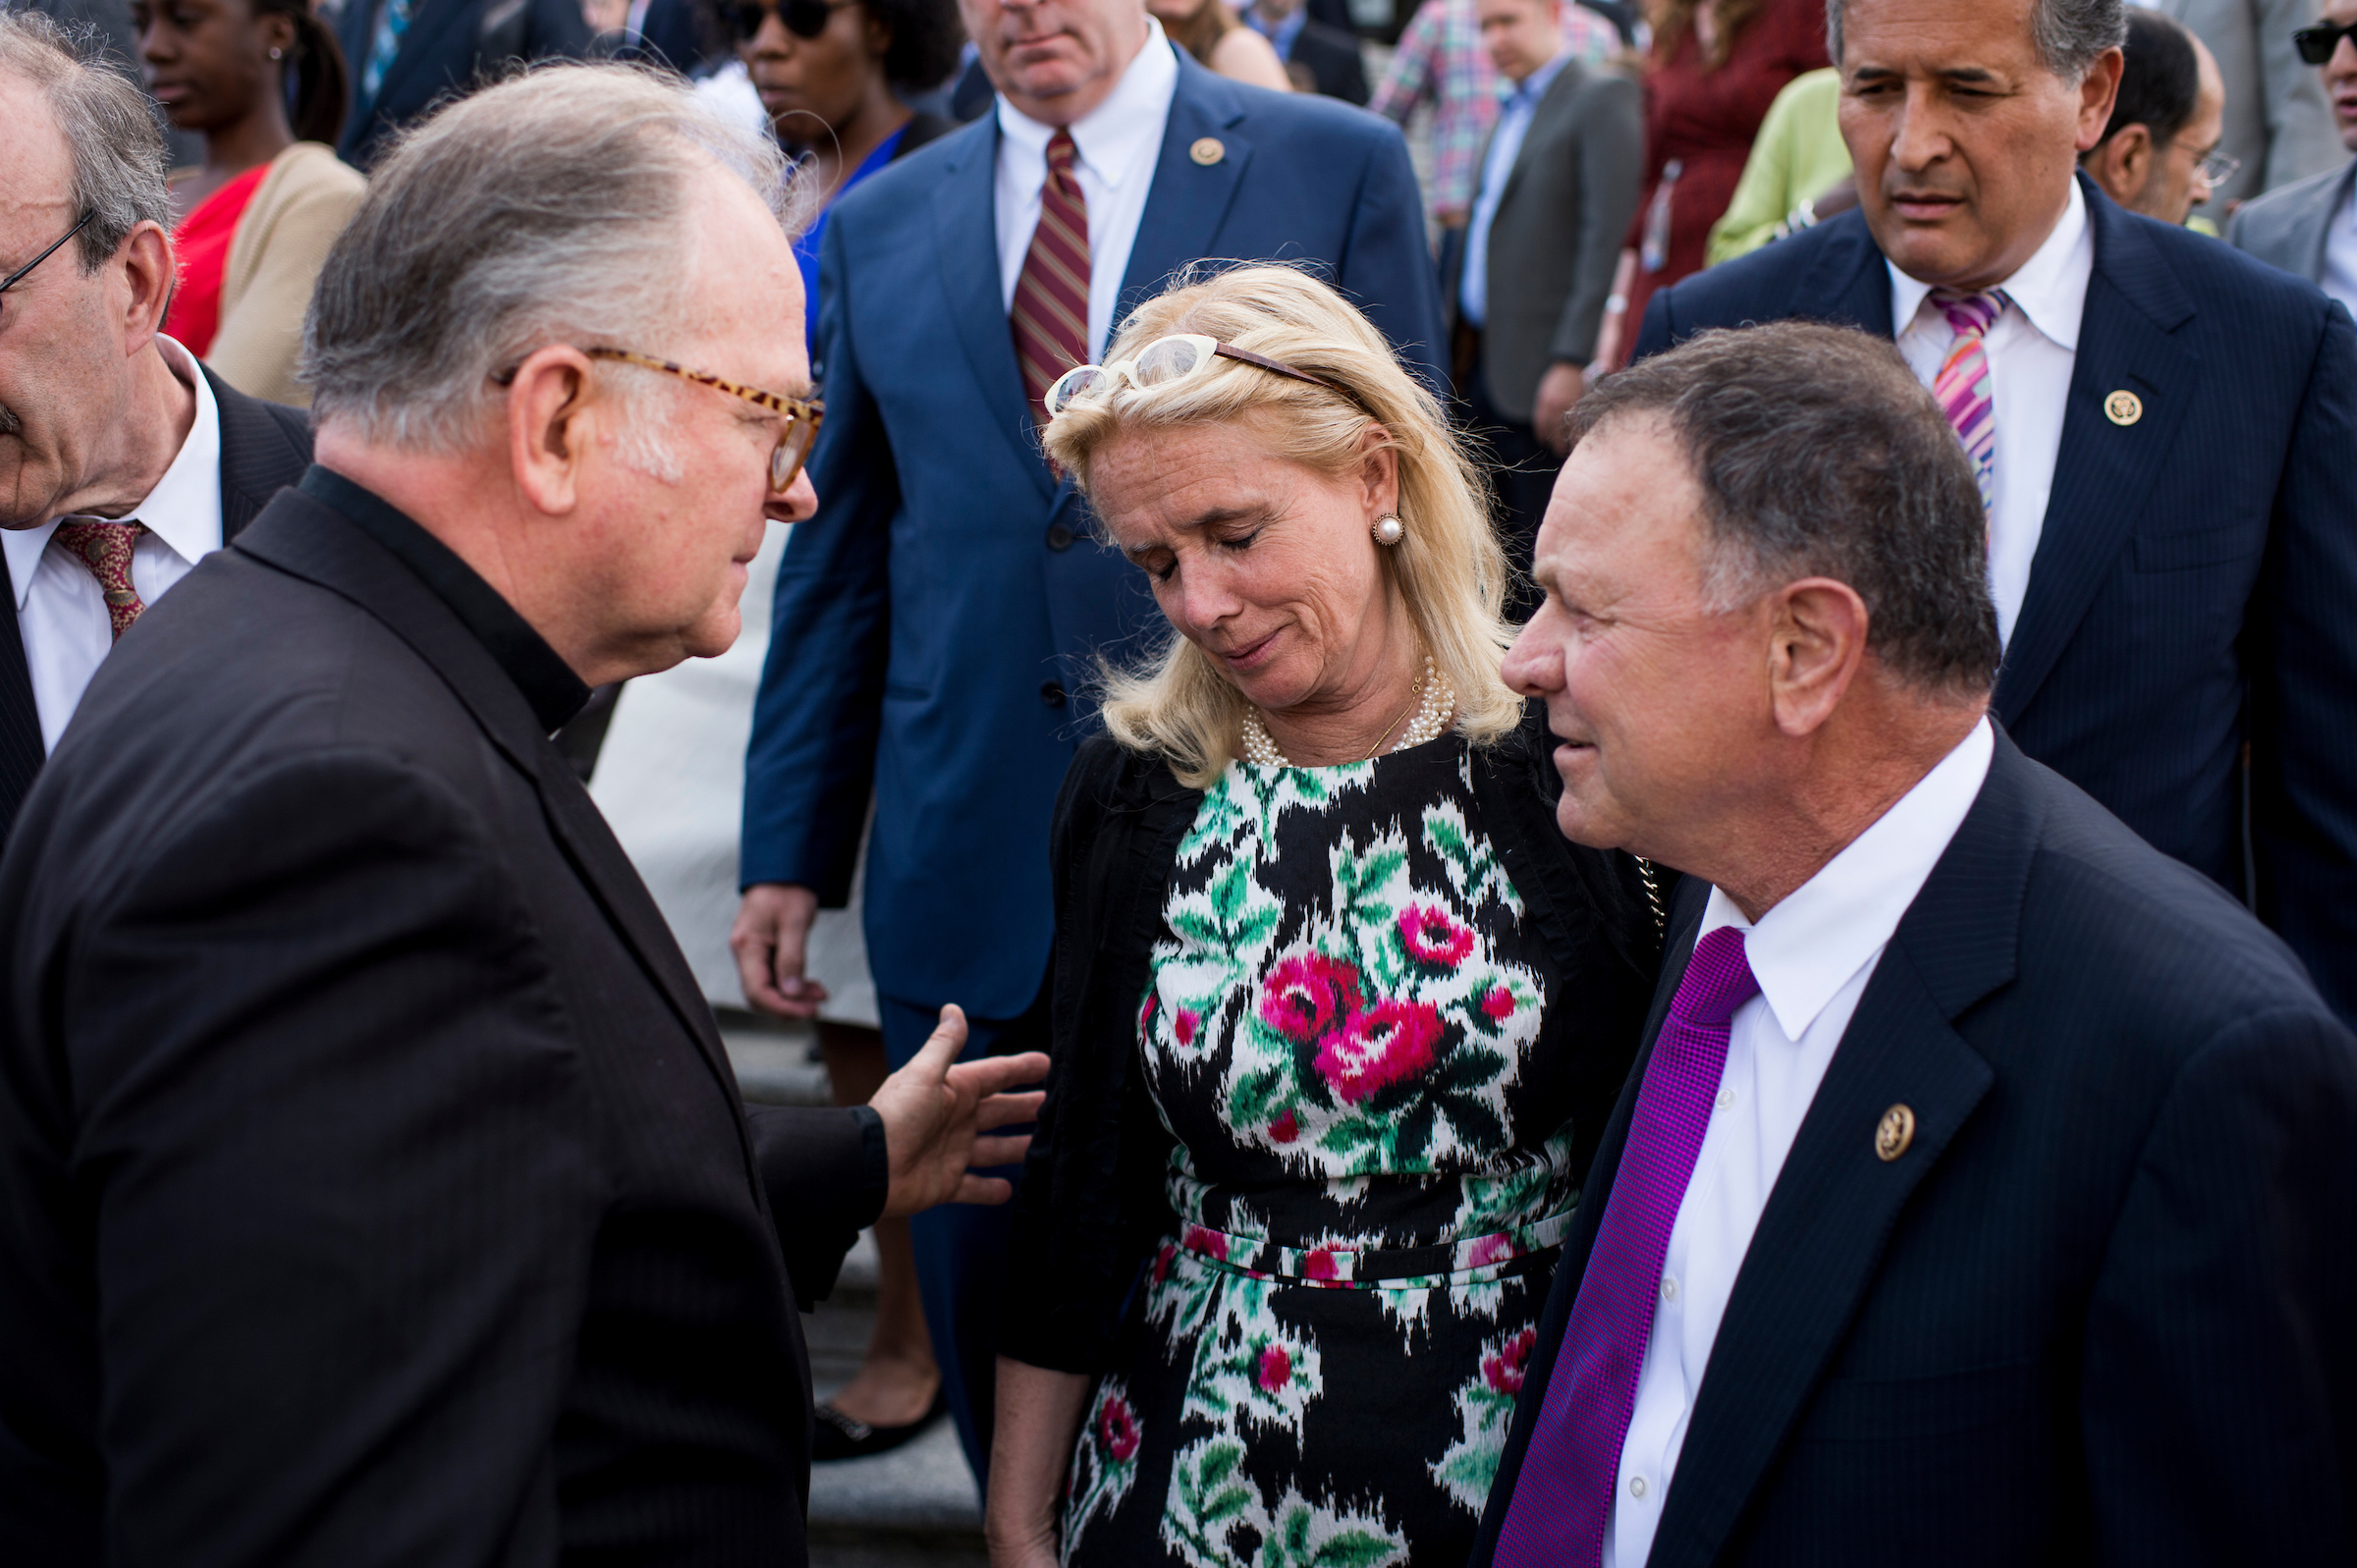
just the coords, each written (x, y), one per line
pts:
(939, 619)
(2098, 1311)
(450, 47)
(2195, 581)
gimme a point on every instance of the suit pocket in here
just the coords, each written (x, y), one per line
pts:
(2188, 552)
(1884, 1410)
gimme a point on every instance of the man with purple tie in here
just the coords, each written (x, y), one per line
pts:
(1983, 1190)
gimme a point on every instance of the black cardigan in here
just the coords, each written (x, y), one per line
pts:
(1090, 1207)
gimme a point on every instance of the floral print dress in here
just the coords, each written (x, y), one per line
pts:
(1349, 1035)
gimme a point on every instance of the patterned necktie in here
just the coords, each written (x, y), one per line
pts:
(1051, 296)
(105, 547)
(383, 47)
(1564, 1496)
(1963, 386)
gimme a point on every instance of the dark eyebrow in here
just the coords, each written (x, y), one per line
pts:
(1974, 75)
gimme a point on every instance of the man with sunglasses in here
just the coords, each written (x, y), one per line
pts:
(941, 616)
(2310, 228)
(123, 461)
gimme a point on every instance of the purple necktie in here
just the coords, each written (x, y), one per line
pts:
(1565, 1494)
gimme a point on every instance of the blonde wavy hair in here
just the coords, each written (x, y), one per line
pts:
(1448, 569)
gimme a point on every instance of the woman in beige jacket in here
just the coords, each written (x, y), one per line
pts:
(258, 217)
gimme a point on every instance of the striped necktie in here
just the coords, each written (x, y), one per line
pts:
(105, 547)
(1050, 319)
(1564, 1496)
(383, 47)
(1963, 386)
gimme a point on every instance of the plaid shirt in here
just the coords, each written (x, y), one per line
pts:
(1441, 62)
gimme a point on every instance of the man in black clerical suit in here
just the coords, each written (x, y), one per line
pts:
(1983, 1192)
(376, 1187)
(119, 452)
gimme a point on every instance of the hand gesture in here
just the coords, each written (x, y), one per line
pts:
(935, 1110)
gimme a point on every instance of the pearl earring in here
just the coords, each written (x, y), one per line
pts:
(274, 54)
(1388, 530)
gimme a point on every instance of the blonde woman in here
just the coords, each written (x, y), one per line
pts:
(1339, 1014)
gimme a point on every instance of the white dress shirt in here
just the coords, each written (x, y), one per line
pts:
(1118, 142)
(2340, 252)
(61, 611)
(1813, 954)
(1521, 102)
(2032, 347)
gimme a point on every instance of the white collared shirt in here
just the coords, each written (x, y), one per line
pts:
(2341, 251)
(61, 611)
(2032, 347)
(1813, 954)
(1119, 143)
(1520, 103)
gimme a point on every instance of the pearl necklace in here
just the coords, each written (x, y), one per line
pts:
(1436, 705)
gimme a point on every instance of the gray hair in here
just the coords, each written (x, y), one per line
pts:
(1819, 454)
(109, 126)
(550, 208)
(2069, 34)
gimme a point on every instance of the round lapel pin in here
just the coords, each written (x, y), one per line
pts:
(1893, 1133)
(2123, 408)
(1207, 150)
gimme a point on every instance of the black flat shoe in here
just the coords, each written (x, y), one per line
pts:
(836, 1436)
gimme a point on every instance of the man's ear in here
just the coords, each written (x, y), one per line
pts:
(149, 274)
(1817, 643)
(2123, 163)
(2098, 91)
(554, 405)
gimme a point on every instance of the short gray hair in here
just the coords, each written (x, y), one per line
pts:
(550, 208)
(108, 124)
(2069, 34)
(1819, 455)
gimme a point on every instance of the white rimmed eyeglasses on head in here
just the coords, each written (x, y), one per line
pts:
(1162, 362)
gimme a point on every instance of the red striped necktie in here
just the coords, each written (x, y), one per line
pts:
(1051, 296)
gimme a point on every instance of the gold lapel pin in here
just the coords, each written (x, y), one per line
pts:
(1207, 150)
(1893, 1133)
(2123, 408)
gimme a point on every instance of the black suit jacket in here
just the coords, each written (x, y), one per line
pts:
(373, 1185)
(1331, 58)
(2099, 1309)
(450, 47)
(2192, 587)
(264, 446)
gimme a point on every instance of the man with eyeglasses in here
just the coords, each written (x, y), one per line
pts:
(123, 461)
(2310, 228)
(2159, 154)
(2158, 426)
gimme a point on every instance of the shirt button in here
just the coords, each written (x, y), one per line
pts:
(1670, 1287)
(1059, 537)
(1727, 1100)
(1636, 1486)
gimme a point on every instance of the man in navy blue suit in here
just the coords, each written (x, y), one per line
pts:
(2162, 432)
(940, 620)
(1983, 1190)
(407, 54)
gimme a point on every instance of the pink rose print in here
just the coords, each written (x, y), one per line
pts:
(1162, 1261)
(1199, 1239)
(1308, 995)
(1145, 1014)
(1116, 1428)
(1492, 1249)
(1388, 1042)
(1276, 1369)
(1434, 935)
(1498, 1004)
(1320, 1264)
(1504, 1371)
(1284, 1129)
(1184, 1023)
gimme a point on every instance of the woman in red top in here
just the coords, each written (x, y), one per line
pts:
(256, 218)
(1716, 66)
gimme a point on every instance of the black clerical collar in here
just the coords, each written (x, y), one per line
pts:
(547, 681)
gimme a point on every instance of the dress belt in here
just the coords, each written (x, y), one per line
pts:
(1341, 1267)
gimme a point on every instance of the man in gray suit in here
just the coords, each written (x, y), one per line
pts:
(2310, 228)
(2278, 128)
(1527, 284)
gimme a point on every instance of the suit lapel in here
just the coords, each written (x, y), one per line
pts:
(1543, 117)
(2105, 473)
(966, 219)
(21, 751)
(1188, 201)
(1821, 1238)
(2313, 232)
(1849, 282)
(256, 458)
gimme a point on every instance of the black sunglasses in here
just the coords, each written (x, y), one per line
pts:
(2316, 44)
(804, 18)
(12, 280)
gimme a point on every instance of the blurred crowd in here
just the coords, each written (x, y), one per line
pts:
(851, 817)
